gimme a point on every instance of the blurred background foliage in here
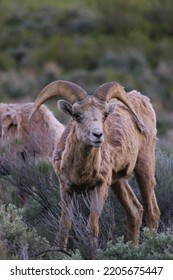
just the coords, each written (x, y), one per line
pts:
(88, 42)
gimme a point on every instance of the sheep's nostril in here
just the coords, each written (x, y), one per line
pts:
(98, 134)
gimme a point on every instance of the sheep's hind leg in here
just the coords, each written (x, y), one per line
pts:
(145, 173)
(132, 207)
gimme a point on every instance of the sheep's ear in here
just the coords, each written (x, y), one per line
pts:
(65, 107)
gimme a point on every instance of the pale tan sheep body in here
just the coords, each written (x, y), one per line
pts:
(100, 148)
(35, 140)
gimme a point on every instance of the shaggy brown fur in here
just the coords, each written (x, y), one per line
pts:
(35, 140)
(84, 168)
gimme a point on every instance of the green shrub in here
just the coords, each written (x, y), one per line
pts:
(3, 251)
(164, 187)
(39, 185)
(153, 246)
(159, 15)
(19, 241)
(121, 16)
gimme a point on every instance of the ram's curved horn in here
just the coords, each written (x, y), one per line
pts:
(111, 90)
(65, 89)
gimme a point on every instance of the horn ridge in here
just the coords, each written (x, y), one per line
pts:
(69, 91)
(111, 90)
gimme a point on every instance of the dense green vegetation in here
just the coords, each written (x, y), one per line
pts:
(30, 212)
(87, 42)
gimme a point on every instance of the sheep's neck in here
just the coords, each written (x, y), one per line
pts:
(83, 163)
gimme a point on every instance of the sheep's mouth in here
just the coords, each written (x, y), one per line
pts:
(97, 143)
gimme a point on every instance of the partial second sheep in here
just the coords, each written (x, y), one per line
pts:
(35, 140)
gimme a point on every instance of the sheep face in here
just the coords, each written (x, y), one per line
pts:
(89, 117)
(10, 126)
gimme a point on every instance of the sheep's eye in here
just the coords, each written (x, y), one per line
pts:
(77, 117)
(105, 115)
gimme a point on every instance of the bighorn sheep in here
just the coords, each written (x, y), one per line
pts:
(35, 140)
(106, 140)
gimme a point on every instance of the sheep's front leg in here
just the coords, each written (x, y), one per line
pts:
(66, 218)
(97, 197)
